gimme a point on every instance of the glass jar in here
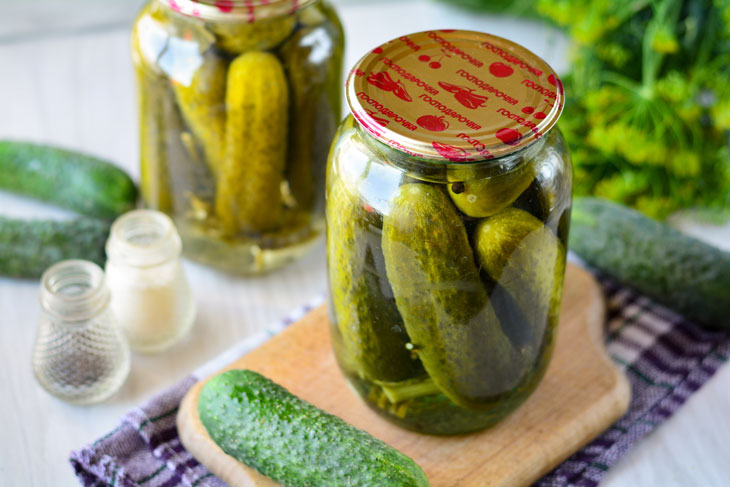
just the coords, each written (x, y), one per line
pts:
(150, 294)
(448, 203)
(238, 104)
(80, 355)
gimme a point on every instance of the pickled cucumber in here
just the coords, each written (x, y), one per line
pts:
(526, 258)
(372, 331)
(534, 201)
(484, 197)
(201, 99)
(154, 176)
(249, 185)
(442, 300)
(261, 35)
(315, 107)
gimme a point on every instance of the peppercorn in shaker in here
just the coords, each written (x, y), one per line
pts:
(80, 355)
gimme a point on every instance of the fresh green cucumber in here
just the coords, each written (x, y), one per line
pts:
(29, 247)
(79, 182)
(678, 271)
(261, 424)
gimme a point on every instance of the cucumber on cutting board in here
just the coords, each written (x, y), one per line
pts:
(262, 425)
(681, 272)
(29, 247)
(79, 182)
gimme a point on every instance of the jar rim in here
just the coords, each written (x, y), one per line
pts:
(451, 171)
(454, 96)
(236, 10)
(74, 290)
(143, 238)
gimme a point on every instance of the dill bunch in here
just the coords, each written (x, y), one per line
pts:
(648, 111)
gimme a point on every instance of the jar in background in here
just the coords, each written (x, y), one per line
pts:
(238, 104)
(448, 202)
(151, 298)
(80, 355)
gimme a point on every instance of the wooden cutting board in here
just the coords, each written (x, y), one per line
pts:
(581, 395)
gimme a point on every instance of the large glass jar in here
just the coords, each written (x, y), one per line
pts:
(238, 103)
(448, 204)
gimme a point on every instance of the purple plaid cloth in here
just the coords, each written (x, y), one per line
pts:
(665, 357)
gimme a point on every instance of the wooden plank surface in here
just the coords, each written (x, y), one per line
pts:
(580, 396)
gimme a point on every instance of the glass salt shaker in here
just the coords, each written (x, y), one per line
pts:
(80, 355)
(150, 294)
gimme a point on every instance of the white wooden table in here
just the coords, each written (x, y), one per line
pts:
(66, 79)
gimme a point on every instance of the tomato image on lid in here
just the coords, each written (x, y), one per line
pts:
(454, 96)
(555, 81)
(509, 136)
(433, 123)
(500, 70)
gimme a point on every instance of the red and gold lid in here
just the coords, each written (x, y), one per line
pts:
(236, 10)
(454, 95)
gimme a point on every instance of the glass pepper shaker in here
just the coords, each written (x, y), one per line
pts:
(80, 355)
(150, 294)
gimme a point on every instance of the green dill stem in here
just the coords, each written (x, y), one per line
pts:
(402, 391)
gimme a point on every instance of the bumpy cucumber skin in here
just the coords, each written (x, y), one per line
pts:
(439, 293)
(249, 195)
(242, 37)
(296, 444)
(369, 324)
(76, 181)
(683, 273)
(202, 103)
(315, 102)
(527, 260)
(480, 198)
(29, 247)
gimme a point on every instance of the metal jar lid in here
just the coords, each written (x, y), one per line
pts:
(454, 95)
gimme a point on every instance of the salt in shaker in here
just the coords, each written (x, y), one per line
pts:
(150, 294)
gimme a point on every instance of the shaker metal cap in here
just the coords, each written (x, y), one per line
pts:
(454, 95)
